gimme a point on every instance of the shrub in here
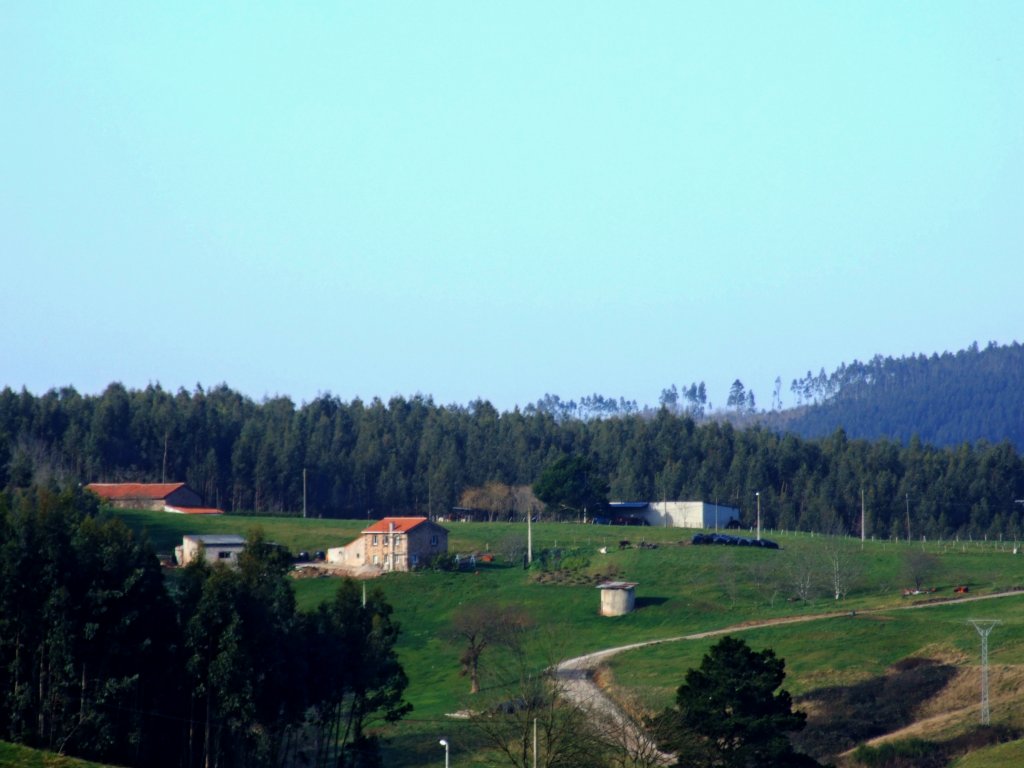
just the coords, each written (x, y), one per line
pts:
(912, 753)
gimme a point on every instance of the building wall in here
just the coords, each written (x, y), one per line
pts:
(156, 505)
(395, 551)
(426, 542)
(214, 553)
(183, 497)
(689, 514)
(352, 554)
(386, 550)
(617, 602)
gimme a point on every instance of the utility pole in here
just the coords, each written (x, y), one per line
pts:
(758, 494)
(535, 742)
(862, 518)
(529, 536)
(303, 493)
(908, 517)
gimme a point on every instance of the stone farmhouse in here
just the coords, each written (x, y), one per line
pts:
(393, 544)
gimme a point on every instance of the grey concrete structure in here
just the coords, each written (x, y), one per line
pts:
(617, 597)
(214, 548)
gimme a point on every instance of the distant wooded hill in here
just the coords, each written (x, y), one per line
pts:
(945, 400)
(412, 456)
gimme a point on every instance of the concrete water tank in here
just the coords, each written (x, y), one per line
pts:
(617, 597)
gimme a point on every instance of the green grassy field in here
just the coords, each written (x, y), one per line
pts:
(683, 589)
(1010, 755)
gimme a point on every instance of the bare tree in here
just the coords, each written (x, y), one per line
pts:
(480, 625)
(842, 568)
(494, 498)
(530, 717)
(802, 575)
(918, 567)
(726, 573)
(765, 574)
(525, 501)
(628, 745)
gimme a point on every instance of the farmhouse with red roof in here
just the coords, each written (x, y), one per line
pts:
(393, 544)
(166, 497)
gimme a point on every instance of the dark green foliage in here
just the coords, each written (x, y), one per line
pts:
(98, 659)
(86, 629)
(411, 456)
(560, 558)
(728, 713)
(574, 483)
(945, 399)
(345, 697)
(443, 562)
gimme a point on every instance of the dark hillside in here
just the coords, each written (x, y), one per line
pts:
(945, 400)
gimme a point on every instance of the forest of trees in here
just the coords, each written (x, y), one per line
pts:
(944, 399)
(412, 456)
(101, 657)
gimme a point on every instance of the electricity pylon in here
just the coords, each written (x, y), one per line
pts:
(984, 627)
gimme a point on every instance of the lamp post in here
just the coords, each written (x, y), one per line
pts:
(758, 494)
(444, 743)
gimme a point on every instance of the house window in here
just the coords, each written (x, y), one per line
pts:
(224, 555)
(433, 540)
(386, 540)
(374, 542)
(376, 560)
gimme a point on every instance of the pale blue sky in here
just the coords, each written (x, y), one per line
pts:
(498, 200)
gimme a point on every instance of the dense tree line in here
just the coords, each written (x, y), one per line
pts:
(412, 456)
(944, 399)
(100, 657)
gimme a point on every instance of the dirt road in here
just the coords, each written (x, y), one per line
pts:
(577, 675)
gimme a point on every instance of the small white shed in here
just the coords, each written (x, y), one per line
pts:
(217, 548)
(617, 597)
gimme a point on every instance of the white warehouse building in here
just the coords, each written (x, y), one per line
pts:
(678, 514)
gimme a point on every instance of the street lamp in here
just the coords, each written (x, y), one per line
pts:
(758, 494)
(444, 743)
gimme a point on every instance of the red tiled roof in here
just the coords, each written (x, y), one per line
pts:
(120, 491)
(402, 524)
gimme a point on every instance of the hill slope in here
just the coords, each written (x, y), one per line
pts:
(945, 400)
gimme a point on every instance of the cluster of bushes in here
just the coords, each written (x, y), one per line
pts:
(921, 753)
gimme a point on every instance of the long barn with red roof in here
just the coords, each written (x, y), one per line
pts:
(165, 497)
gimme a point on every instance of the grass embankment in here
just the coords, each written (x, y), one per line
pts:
(16, 756)
(1009, 755)
(684, 589)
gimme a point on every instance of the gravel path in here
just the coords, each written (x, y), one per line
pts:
(577, 675)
